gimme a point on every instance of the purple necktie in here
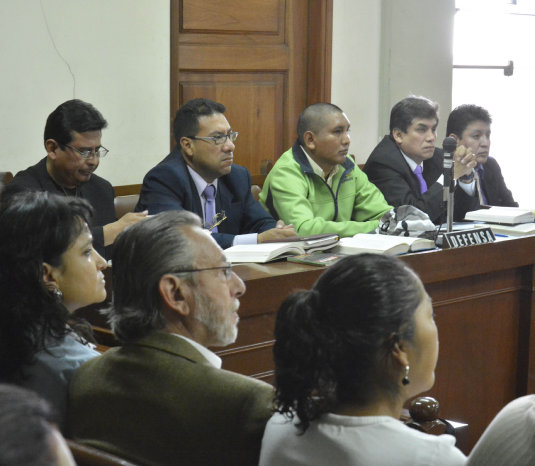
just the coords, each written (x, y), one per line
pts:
(209, 208)
(418, 173)
(480, 170)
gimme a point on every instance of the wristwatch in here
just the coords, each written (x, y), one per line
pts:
(468, 178)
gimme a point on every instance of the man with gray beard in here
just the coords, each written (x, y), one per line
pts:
(162, 398)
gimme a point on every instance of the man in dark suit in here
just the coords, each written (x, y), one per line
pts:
(407, 167)
(200, 171)
(72, 140)
(162, 398)
(470, 126)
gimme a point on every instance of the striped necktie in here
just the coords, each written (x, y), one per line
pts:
(209, 208)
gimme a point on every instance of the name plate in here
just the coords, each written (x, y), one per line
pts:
(460, 239)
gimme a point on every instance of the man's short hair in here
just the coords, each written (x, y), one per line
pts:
(187, 117)
(463, 115)
(313, 117)
(142, 254)
(25, 428)
(73, 115)
(410, 108)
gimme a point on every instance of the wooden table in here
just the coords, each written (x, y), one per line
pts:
(484, 304)
(483, 297)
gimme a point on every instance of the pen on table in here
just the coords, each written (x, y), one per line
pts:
(500, 235)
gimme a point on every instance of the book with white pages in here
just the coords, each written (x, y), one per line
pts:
(507, 215)
(382, 244)
(522, 229)
(266, 252)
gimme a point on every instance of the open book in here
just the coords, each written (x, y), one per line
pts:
(382, 244)
(266, 252)
(508, 215)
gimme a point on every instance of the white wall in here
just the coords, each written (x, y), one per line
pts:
(382, 52)
(118, 51)
(356, 69)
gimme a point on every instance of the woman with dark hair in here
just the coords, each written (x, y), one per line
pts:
(48, 269)
(348, 354)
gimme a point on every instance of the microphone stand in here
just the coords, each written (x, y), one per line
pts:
(448, 198)
(449, 145)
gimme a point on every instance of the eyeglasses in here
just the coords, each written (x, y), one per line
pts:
(218, 140)
(227, 270)
(100, 152)
(217, 220)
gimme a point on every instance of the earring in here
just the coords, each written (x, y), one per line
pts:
(58, 295)
(405, 380)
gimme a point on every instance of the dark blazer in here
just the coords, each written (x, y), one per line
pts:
(159, 402)
(169, 186)
(494, 186)
(97, 191)
(388, 170)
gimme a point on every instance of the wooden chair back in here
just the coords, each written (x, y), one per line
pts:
(125, 204)
(5, 178)
(90, 456)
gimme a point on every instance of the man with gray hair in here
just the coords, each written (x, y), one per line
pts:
(316, 186)
(162, 398)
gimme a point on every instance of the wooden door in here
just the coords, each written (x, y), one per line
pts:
(265, 60)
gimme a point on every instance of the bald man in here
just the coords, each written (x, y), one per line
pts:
(316, 186)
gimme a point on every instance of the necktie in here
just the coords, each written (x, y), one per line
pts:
(480, 171)
(418, 173)
(209, 208)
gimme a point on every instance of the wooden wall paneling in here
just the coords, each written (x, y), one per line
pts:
(296, 91)
(253, 56)
(529, 326)
(479, 335)
(252, 101)
(320, 21)
(258, 16)
(230, 22)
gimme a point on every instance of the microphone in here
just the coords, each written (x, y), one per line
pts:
(449, 146)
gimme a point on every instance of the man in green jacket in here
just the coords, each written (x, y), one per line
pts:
(316, 186)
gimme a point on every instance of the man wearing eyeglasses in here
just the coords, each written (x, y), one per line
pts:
(199, 175)
(72, 140)
(162, 397)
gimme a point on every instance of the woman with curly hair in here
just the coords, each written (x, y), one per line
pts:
(348, 354)
(48, 269)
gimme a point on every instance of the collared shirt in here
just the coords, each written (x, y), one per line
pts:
(319, 171)
(200, 185)
(468, 188)
(212, 358)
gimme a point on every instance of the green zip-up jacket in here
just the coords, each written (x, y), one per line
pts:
(294, 193)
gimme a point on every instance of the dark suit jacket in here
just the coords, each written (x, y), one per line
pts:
(494, 186)
(169, 186)
(97, 191)
(388, 170)
(159, 402)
